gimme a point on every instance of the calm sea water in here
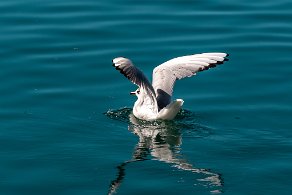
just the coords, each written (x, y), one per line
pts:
(66, 124)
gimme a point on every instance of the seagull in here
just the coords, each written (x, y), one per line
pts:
(154, 100)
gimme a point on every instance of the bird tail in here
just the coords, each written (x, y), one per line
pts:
(171, 110)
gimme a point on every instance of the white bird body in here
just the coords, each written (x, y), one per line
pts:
(154, 101)
(144, 109)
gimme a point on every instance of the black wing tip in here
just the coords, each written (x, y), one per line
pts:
(113, 63)
(226, 57)
(213, 65)
(224, 60)
(117, 67)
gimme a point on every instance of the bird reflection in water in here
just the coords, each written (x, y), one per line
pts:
(161, 140)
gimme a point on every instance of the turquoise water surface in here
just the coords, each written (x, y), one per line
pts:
(66, 123)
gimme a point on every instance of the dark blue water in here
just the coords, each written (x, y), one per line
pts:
(66, 124)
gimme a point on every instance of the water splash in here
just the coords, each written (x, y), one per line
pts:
(185, 121)
(121, 114)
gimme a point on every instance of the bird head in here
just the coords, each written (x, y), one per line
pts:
(137, 92)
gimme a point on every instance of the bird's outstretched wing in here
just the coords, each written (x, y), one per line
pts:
(136, 76)
(165, 75)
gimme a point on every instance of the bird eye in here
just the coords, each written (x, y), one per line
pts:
(138, 91)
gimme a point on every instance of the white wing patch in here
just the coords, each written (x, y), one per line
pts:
(165, 75)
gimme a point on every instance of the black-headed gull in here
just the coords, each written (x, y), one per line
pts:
(154, 101)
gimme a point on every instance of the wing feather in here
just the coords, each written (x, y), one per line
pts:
(136, 76)
(165, 75)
